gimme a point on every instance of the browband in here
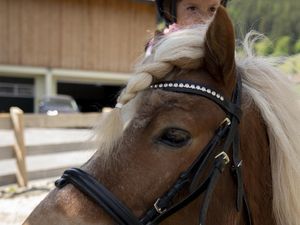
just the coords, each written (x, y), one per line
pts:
(190, 87)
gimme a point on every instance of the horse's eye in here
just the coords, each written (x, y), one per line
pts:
(174, 137)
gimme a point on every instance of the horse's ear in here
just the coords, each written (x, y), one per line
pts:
(219, 59)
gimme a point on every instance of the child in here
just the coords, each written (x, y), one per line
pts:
(183, 13)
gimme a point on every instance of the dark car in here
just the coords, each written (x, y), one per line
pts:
(54, 105)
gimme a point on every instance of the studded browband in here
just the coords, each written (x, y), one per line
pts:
(190, 87)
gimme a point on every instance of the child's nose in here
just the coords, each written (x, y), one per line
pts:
(203, 18)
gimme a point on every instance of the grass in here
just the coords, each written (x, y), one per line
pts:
(291, 65)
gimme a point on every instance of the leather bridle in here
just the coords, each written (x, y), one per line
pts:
(226, 134)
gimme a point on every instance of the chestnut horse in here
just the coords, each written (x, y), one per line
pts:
(155, 134)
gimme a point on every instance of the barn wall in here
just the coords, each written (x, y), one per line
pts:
(105, 35)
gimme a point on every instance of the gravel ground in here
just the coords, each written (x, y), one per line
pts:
(17, 203)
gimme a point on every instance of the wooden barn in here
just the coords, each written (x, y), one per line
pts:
(82, 48)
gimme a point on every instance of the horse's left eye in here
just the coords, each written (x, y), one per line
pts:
(174, 137)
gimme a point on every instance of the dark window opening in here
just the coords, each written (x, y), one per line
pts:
(90, 97)
(17, 92)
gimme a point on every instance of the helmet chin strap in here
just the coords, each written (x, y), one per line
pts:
(173, 10)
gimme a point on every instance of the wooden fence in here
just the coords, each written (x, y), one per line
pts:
(17, 121)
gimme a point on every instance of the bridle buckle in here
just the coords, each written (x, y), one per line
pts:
(225, 157)
(226, 121)
(157, 208)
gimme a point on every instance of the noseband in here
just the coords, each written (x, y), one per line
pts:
(226, 134)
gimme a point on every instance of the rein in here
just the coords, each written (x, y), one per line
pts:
(227, 133)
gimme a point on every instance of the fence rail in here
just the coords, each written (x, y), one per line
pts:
(77, 120)
(7, 152)
(17, 121)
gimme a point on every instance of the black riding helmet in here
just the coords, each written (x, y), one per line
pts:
(167, 9)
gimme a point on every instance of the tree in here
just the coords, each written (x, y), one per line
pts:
(297, 47)
(282, 46)
(274, 18)
(264, 47)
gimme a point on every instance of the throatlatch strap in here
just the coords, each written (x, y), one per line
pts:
(241, 200)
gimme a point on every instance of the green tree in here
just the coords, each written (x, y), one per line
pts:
(282, 46)
(274, 18)
(297, 47)
(264, 47)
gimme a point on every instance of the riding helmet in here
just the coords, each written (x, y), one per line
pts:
(167, 9)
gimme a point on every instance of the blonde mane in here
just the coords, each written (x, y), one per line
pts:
(279, 106)
(265, 86)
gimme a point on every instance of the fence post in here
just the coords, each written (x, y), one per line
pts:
(17, 118)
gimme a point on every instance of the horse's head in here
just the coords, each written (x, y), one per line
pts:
(163, 138)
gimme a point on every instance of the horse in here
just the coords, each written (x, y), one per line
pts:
(199, 135)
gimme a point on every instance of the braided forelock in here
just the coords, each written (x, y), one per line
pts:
(182, 49)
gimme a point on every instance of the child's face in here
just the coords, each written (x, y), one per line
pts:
(191, 12)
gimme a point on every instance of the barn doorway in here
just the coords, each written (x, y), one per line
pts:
(16, 92)
(90, 97)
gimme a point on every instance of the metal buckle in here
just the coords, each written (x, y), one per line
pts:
(157, 208)
(240, 164)
(225, 157)
(226, 121)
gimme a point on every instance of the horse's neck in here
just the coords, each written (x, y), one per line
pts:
(255, 153)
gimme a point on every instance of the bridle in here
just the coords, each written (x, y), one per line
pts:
(227, 133)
